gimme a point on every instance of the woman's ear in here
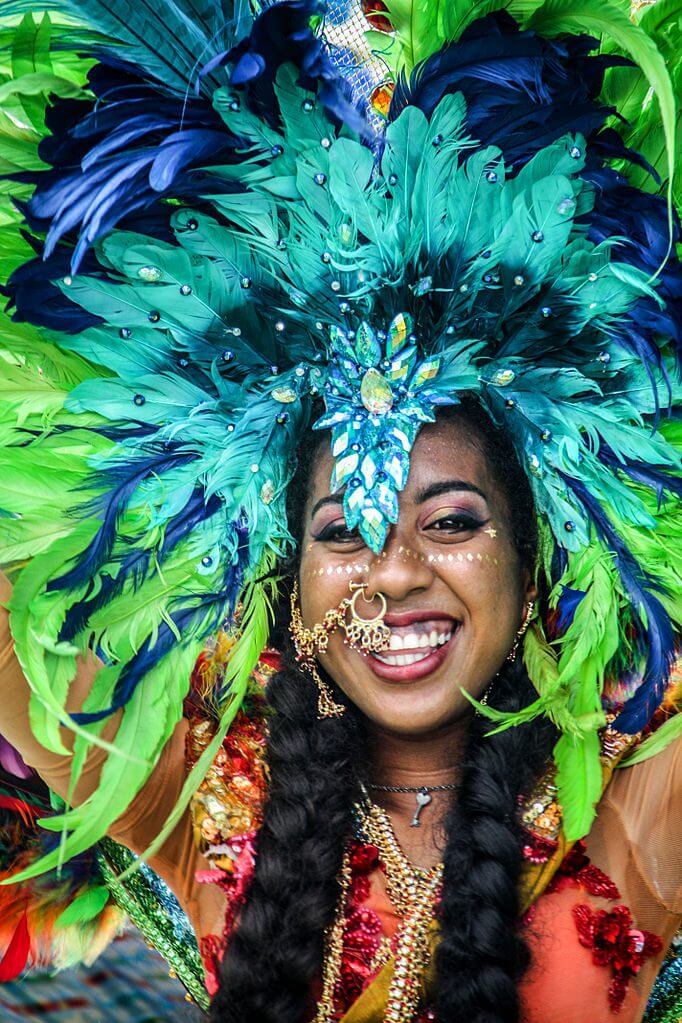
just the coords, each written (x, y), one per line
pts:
(530, 589)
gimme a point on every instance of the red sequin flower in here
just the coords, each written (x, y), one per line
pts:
(616, 943)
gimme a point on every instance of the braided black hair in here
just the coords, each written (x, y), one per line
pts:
(276, 951)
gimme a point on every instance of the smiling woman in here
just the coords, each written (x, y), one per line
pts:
(340, 503)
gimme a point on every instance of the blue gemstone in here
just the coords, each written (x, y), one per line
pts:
(546, 311)
(154, 316)
(491, 176)
(320, 178)
(183, 362)
(546, 435)
(307, 105)
(207, 560)
(185, 289)
(245, 283)
(355, 481)
(192, 224)
(437, 140)
(576, 152)
(125, 332)
(393, 179)
(277, 150)
(538, 236)
(569, 526)
(282, 418)
(139, 399)
(227, 355)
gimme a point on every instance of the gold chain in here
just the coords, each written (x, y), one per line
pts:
(413, 892)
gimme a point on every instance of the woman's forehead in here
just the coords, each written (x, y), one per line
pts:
(445, 450)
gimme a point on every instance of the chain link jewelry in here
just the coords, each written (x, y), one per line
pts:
(527, 615)
(308, 642)
(414, 893)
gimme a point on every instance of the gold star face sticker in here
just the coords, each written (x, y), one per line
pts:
(491, 532)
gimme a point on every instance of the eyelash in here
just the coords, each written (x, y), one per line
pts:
(334, 533)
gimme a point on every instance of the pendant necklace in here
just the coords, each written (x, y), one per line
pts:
(422, 794)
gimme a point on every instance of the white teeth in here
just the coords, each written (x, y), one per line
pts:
(433, 638)
(396, 642)
(400, 660)
(424, 640)
(410, 641)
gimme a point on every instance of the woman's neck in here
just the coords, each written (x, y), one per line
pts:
(432, 759)
(418, 761)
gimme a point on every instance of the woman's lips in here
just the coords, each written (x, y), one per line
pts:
(418, 669)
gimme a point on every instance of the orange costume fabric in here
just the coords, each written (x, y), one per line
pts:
(598, 934)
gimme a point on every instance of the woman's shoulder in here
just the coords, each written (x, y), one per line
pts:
(228, 805)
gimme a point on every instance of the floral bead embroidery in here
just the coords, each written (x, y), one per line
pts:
(616, 943)
(610, 934)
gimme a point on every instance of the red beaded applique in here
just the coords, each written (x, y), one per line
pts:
(610, 934)
(616, 943)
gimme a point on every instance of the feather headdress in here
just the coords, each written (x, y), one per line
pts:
(223, 239)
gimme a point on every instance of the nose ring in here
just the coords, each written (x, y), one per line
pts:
(370, 634)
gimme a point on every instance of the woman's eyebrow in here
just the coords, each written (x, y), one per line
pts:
(329, 499)
(442, 487)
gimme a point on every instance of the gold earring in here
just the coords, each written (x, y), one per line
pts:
(370, 634)
(528, 612)
(307, 642)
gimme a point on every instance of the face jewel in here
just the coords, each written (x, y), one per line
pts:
(376, 393)
(502, 377)
(149, 273)
(267, 492)
(381, 97)
(398, 332)
(367, 347)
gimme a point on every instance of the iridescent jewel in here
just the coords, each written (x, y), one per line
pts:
(422, 286)
(285, 395)
(139, 399)
(149, 273)
(344, 307)
(280, 325)
(592, 277)
(393, 179)
(546, 436)
(491, 177)
(519, 280)
(398, 331)
(566, 206)
(345, 234)
(326, 257)
(367, 347)
(277, 150)
(254, 467)
(154, 316)
(320, 178)
(576, 152)
(307, 105)
(538, 236)
(283, 418)
(125, 333)
(569, 526)
(185, 289)
(234, 106)
(604, 357)
(267, 492)
(534, 465)
(427, 371)
(192, 224)
(510, 403)
(335, 285)
(546, 311)
(325, 142)
(381, 97)
(183, 362)
(227, 355)
(376, 393)
(502, 377)
(207, 561)
(245, 283)
(437, 140)
(237, 331)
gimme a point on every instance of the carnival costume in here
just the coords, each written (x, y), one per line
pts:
(236, 230)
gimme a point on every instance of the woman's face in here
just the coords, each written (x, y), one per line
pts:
(452, 580)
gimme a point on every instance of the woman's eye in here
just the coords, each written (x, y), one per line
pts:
(456, 524)
(337, 532)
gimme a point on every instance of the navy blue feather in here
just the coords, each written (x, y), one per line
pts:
(282, 34)
(641, 472)
(124, 481)
(212, 609)
(567, 607)
(135, 565)
(656, 637)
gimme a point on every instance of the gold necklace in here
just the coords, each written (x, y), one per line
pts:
(413, 892)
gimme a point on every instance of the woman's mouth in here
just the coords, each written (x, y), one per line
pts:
(415, 649)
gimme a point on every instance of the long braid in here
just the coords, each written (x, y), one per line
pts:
(277, 948)
(481, 956)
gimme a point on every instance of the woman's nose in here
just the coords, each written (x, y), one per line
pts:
(398, 570)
